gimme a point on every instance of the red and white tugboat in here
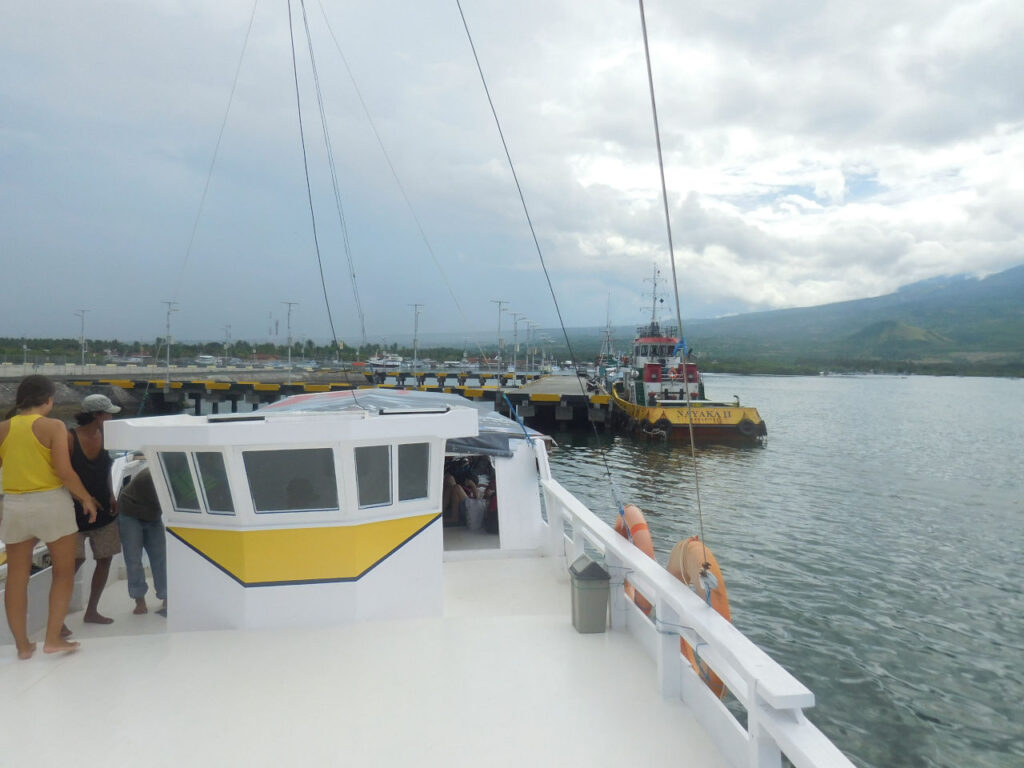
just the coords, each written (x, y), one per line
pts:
(662, 394)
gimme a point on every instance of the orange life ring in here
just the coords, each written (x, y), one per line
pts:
(641, 536)
(686, 563)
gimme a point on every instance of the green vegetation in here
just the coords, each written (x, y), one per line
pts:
(99, 351)
(955, 326)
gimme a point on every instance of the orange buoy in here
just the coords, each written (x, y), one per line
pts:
(686, 562)
(641, 537)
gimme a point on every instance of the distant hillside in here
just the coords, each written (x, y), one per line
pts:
(893, 339)
(946, 320)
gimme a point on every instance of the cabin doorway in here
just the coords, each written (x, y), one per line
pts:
(469, 503)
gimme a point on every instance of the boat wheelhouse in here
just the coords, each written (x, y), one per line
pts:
(665, 373)
(314, 510)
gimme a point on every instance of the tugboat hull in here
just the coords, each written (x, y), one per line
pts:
(712, 422)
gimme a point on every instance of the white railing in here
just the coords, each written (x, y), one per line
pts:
(774, 700)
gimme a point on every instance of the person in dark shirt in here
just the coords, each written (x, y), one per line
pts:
(142, 529)
(91, 461)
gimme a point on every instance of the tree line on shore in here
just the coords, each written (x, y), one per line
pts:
(102, 351)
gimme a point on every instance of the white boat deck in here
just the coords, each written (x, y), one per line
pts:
(502, 678)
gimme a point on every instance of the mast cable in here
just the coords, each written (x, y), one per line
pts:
(398, 181)
(334, 176)
(675, 282)
(540, 255)
(305, 164)
(216, 151)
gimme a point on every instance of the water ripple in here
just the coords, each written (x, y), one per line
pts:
(867, 550)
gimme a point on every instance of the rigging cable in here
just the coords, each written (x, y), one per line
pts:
(209, 177)
(398, 182)
(305, 164)
(334, 177)
(536, 243)
(675, 282)
(216, 151)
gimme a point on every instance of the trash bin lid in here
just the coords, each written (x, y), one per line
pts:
(585, 569)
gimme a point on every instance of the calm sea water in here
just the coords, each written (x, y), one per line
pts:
(873, 547)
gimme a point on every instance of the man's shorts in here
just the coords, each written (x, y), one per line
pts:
(43, 515)
(105, 541)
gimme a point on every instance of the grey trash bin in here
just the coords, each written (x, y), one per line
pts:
(589, 595)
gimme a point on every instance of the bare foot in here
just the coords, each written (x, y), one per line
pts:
(61, 646)
(27, 651)
(64, 631)
(140, 606)
(96, 618)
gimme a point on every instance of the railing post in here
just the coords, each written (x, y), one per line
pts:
(556, 525)
(617, 593)
(762, 751)
(669, 656)
(577, 540)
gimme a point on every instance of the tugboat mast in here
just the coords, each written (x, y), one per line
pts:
(654, 327)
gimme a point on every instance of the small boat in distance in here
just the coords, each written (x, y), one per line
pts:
(385, 361)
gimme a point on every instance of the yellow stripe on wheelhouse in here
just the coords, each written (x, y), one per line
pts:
(301, 555)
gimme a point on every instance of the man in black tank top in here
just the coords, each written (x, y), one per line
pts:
(91, 461)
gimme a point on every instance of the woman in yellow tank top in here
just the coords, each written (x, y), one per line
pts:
(36, 479)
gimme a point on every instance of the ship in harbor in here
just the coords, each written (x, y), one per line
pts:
(662, 393)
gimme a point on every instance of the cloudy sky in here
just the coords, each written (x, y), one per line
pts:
(815, 152)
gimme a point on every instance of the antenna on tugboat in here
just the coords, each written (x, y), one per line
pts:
(675, 282)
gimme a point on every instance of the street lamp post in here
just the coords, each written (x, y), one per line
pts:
(227, 344)
(516, 317)
(531, 349)
(170, 308)
(81, 313)
(289, 304)
(415, 336)
(500, 303)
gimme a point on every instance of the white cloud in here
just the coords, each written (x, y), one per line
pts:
(813, 153)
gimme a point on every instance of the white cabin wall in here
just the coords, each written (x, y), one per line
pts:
(407, 583)
(519, 516)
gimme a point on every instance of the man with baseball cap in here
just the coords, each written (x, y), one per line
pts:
(91, 461)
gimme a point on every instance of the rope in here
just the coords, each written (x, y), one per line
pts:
(675, 282)
(519, 421)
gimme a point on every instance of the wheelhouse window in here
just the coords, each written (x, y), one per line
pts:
(373, 475)
(179, 480)
(213, 478)
(413, 465)
(300, 480)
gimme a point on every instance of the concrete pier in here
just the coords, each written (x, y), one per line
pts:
(539, 400)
